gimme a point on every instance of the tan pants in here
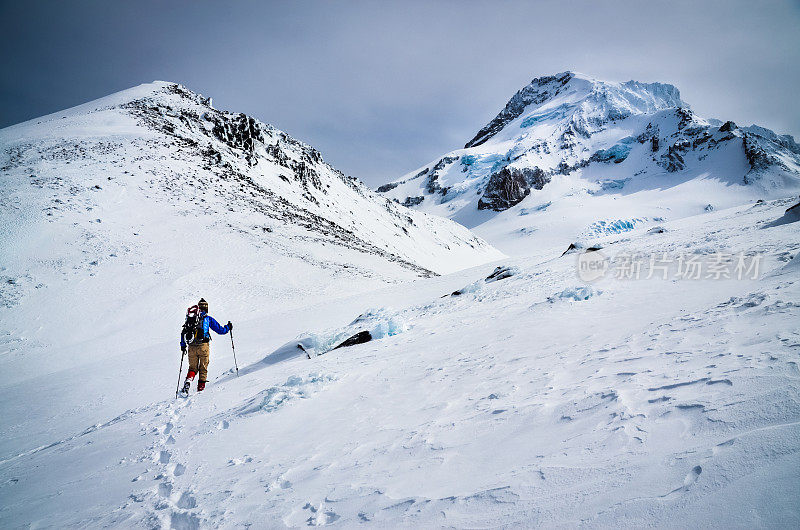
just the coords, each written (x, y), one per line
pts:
(199, 356)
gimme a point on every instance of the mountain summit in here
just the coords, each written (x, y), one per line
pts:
(588, 102)
(143, 197)
(570, 157)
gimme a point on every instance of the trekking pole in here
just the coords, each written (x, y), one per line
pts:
(234, 355)
(183, 353)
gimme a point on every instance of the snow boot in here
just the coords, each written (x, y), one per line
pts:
(201, 385)
(185, 389)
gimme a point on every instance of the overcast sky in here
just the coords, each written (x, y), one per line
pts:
(381, 87)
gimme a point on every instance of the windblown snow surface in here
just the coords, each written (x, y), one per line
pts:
(117, 213)
(637, 403)
(520, 396)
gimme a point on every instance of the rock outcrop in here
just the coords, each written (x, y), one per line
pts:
(510, 186)
(592, 131)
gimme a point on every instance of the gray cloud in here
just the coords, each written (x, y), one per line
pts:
(381, 88)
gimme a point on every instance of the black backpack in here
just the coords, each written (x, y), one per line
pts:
(192, 331)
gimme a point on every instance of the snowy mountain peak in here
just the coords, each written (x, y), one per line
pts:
(155, 190)
(582, 98)
(568, 152)
(251, 166)
(160, 92)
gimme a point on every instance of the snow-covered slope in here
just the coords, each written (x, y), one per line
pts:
(529, 401)
(147, 198)
(505, 394)
(570, 156)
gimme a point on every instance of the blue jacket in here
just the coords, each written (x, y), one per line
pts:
(208, 322)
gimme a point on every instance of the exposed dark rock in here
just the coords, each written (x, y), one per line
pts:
(443, 162)
(574, 247)
(536, 177)
(703, 138)
(311, 155)
(565, 169)
(654, 143)
(238, 131)
(306, 175)
(562, 168)
(649, 132)
(657, 230)
(359, 338)
(672, 160)
(509, 186)
(212, 155)
(501, 273)
(758, 158)
(432, 185)
(230, 136)
(413, 201)
(387, 187)
(728, 126)
(682, 145)
(571, 248)
(685, 117)
(390, 186)
(504, 189)
(538, 91)
(432, 182)
(277, 153)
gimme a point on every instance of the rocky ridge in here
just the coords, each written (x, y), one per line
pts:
(572, 125)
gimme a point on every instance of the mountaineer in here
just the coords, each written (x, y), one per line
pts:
(195, 335)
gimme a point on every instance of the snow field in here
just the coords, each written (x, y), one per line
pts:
(506, 392)
(655, 403)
